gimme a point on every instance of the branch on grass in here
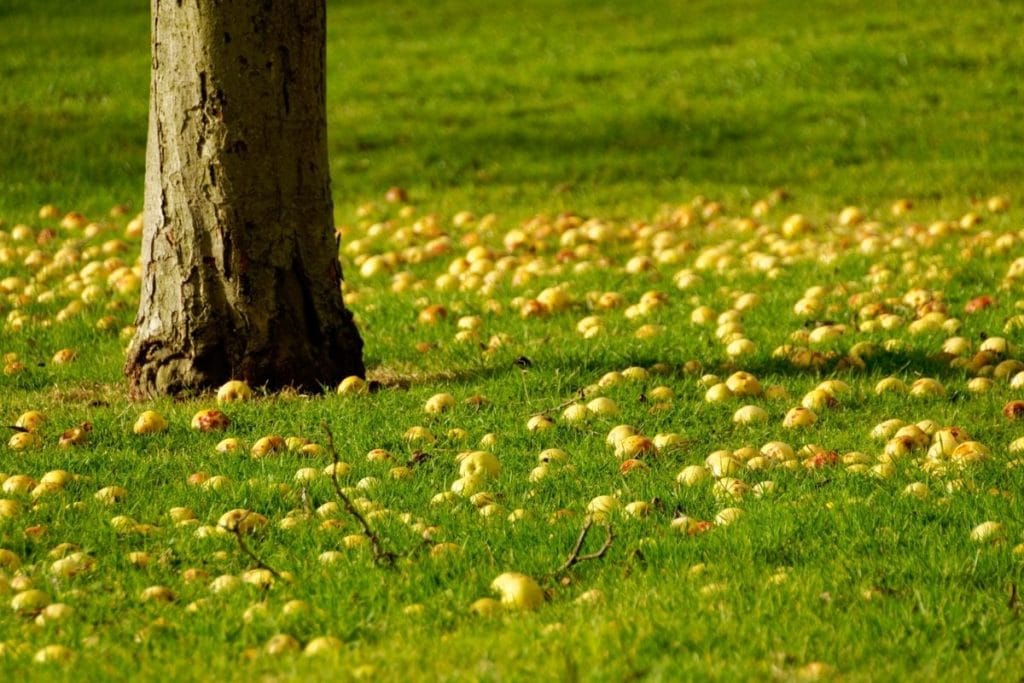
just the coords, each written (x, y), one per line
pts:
(564, 404)
(236, 531)
(381, 556)
(576, 556)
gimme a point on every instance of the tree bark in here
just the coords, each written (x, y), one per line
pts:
(240, 259)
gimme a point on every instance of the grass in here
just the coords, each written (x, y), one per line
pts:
(588, 106)
(620, 111)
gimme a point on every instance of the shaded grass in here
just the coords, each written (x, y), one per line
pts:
(590, 106)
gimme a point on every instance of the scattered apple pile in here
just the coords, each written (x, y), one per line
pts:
(477, 291)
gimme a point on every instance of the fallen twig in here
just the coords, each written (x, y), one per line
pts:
(381, 556)
(307, 503)
(244, 547)
(575, 556)
(564, 404)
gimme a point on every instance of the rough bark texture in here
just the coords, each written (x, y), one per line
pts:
(240, 271)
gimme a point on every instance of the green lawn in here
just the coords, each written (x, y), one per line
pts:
(665, 128)
(580, 105)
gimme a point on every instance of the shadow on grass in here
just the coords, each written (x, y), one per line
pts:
(907, 365)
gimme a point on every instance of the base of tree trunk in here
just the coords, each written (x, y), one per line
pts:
(180, 367)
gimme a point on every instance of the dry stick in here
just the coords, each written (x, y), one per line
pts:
(575, 557)
(564, 404)
(307, 504)
(260, 564)
(526, 389)
(381, 556)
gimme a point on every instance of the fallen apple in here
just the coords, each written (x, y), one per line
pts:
(518, 591)
(234, 391)
(149, 422)
(210, 420)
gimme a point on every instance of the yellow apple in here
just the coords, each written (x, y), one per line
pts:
(728, 516)
(518, 591)
(157, 594)
(53, 654)
(234, 391)
(29, 601)
(241, 520)
(485, 607)
(54, 613)
(479, 464)
(987, 532)
(917, 489)
(602, 507)
(322, 645)
(149, 422)
(603, 406)
(9, 560)
(539, 423)
(799, 417)
(31, 420)
(439, 403)
(691, 475)
(576, 413)
(111, 494)
(722, 464)
(268, 445)
(750, 415)
(634, 446)
(281, 644)
(21, 441)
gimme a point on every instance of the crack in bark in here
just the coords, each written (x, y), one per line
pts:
(201, 137)
(225, 240)
(286, 76)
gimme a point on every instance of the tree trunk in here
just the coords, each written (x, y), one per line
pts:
(240, 259)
